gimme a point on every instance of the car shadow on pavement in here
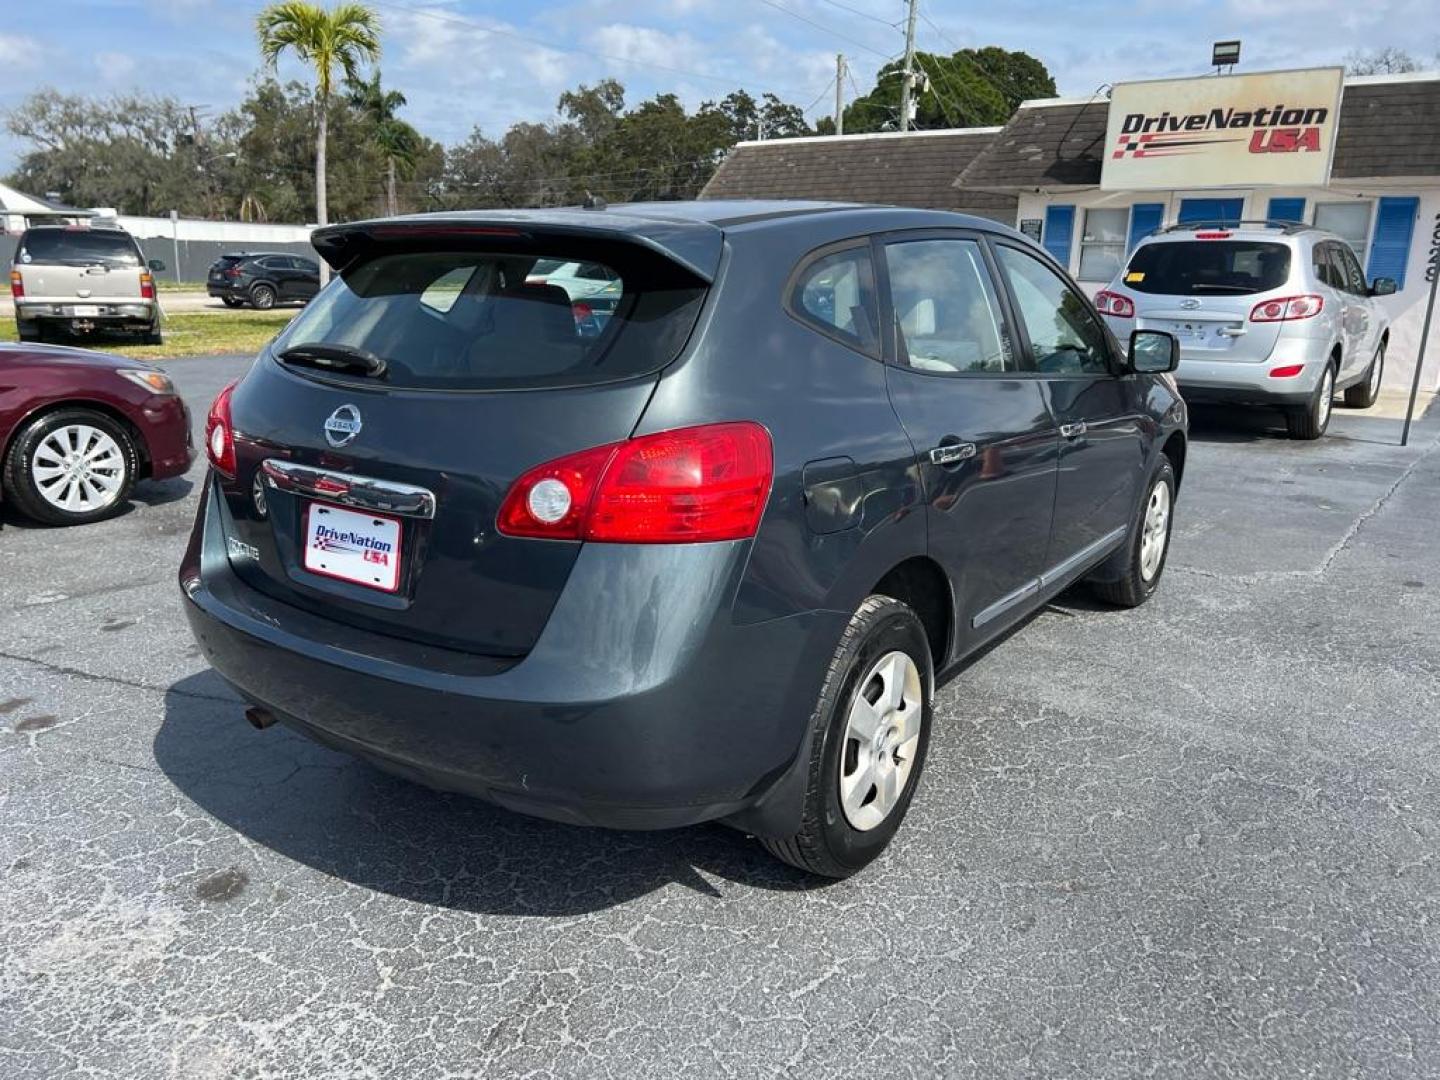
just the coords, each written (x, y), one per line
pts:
(1236, 424)
(336, 814)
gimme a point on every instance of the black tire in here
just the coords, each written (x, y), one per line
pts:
(1309, 421)
(152, 336)
(231, 302)
(262, 296)
(20, 486)
(1367, 391)
(827, 844)
(1134, 587)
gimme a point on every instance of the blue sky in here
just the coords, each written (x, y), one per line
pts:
(458, 74)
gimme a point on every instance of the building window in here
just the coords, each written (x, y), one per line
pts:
(1102, 245)
(1348, 220)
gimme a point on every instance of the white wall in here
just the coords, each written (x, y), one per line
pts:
(1407, 307)
(228, 232)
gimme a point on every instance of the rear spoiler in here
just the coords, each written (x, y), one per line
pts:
(695, 246)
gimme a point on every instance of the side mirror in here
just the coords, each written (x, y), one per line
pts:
(1153, 352)
(156, 265)
(1382, 286)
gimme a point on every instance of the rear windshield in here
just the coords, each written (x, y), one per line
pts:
(1208, 267)
(78, 247)
(467, 320)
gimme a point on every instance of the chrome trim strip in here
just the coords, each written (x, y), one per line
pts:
(1085, 555)
(346, 489)
(1005, 603)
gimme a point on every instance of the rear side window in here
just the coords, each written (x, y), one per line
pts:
(947, 317)
(835, 293)
(470, 320)
(78, 247)
(1208, 267)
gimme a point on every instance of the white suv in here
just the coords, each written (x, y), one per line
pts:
(1268, 313)
(77, 280)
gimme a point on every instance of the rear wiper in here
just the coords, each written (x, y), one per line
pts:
(335, 358)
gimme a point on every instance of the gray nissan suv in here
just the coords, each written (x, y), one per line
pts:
(705, 561)
(1267, 313)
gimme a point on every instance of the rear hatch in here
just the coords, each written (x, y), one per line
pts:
(485, 375)
(1203, 291)
(220, 269)
(81, 264)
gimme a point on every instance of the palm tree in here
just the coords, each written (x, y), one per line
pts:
(342, 37)
(397, 140)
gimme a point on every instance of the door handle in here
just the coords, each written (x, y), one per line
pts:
(952, 453)
(1073, 431)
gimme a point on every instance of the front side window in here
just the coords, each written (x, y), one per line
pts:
(947, 316)
(475, 320)
(1102, 244)
(1348, 220)
(836, 294)
(1065, 334)
(1354, 276)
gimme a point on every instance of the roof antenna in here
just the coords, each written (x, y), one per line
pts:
(593, 202)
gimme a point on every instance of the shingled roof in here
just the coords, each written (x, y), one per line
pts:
(1387, 128)
(915, 169)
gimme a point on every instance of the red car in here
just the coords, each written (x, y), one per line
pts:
(79, 428)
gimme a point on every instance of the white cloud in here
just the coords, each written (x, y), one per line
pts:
(644, 45)
(19, 51)
(115, 66)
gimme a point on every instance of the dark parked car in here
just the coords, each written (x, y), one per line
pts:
(706, 565)
(79, 428)
(263, 279)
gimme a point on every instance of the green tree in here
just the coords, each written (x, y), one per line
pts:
(398, 141)
(969, 88)
(339, 38)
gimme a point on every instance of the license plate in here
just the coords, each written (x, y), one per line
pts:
(352, 546)
(86, 310)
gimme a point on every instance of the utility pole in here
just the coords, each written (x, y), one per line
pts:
(907, 85)
(839, 93)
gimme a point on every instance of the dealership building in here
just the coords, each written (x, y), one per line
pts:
(1088, 178)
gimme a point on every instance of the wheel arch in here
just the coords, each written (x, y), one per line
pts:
(142, 448)
(920, 582)
(1175, 448)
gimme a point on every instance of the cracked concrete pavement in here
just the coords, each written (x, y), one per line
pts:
(1194, 840)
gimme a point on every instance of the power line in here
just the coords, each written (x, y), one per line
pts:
(863, 14)
(821, 26)
(461, 20)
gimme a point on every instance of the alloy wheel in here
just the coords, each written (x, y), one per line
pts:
(78, 469)
(1327, 393)
(1155, 531)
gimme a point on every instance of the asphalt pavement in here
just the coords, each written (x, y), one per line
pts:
(1193, 840)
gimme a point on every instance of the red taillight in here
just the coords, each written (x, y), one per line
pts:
(17, 285)
(1116, 304)
(233, 271)
(683, 486)
(1289, 371)
(147, 286)
(1286, 308)
(220, 434)
(1212, 236)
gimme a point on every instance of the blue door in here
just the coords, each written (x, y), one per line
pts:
(1220, 211)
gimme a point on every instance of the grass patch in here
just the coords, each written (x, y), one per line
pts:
(191, 333)
(165, 284)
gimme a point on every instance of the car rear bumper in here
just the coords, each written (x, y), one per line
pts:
(126, 314)
(641, 706)
(224, 290)
(1232, 381)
